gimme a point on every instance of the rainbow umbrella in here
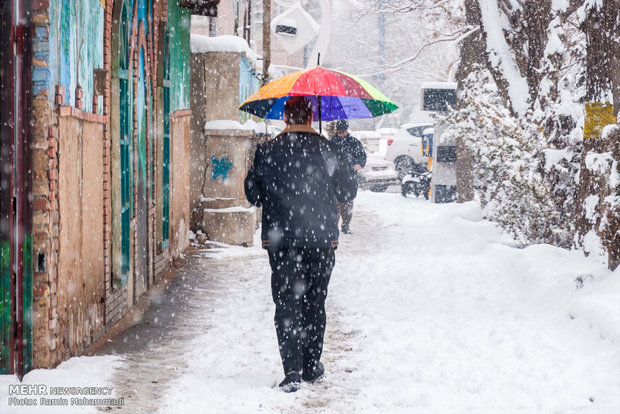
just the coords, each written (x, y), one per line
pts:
(334, 95)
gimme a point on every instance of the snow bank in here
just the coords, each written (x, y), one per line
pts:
(96, 371)
(431, 309)
(598, 303)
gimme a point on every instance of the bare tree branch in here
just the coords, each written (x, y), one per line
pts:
(399, 65)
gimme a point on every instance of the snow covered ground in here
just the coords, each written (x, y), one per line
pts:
(431, 310)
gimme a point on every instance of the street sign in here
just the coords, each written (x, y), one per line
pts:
(294, 28)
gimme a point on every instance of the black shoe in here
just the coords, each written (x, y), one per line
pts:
(291, 382)
(314, 376)
(346, 230)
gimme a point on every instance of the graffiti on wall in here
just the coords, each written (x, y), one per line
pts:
(220, 167)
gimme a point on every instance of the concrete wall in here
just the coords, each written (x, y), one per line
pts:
(236, 145)
(81, 283)
(180, 191)
(221, 92)
(215, 97)
(198, 102)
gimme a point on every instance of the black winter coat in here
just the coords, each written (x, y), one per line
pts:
(297, 178)
(352, 148)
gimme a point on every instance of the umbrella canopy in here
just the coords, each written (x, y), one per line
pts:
(342, 96)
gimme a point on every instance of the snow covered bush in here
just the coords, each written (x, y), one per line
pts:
(521, 182)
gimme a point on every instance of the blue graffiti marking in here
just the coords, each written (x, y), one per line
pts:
(220, 167)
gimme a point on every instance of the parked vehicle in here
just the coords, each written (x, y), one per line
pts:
(378, 174)
(405, 149)
(416, 183)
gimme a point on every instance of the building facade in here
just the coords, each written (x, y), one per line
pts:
(95, 184)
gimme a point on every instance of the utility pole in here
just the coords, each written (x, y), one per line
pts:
(266, 40)
(322, 42)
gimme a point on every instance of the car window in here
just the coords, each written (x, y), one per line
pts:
(417, 131)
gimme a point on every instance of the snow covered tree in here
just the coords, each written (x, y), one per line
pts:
(599, 190)
(523, 79)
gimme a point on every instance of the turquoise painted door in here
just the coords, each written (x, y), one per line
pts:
(165, 233)
(125, 102)
(141, 248)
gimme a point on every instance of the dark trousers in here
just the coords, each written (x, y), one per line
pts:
(299, 282)
(345, 211)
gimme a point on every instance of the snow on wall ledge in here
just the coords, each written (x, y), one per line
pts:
(227, 43)
(249, 125)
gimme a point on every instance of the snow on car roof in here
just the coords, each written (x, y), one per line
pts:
(438, 85)
(416, 124)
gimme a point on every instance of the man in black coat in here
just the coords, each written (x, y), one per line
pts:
(297, 178)
(356, 158)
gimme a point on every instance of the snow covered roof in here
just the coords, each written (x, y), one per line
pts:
(416, 124)
(438, 85)
(227, 43)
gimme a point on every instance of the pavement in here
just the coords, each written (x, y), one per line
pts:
(431, 309)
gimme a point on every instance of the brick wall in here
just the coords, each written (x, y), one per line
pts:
(63, 328)
(120, 297)
(44, 139)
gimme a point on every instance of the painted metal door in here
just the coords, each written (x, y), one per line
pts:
(15, 220)
(6, 204)
(141, 261)
(125, 104)
(165, 231)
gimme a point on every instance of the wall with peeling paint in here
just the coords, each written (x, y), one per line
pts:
(75, 48)
(180, 70)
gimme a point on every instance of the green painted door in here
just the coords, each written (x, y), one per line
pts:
(125, 102)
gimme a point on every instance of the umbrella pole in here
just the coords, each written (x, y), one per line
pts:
(320, 126)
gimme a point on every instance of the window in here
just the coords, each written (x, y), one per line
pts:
(418, 131)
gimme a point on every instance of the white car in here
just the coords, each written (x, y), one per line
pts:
(405, 149)
(377, 175)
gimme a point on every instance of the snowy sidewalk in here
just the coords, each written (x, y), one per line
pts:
(430, 310)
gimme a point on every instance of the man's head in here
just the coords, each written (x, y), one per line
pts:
(298, 110)
(342, 127)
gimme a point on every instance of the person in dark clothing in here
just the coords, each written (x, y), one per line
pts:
(297, 178)
(356, 158)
